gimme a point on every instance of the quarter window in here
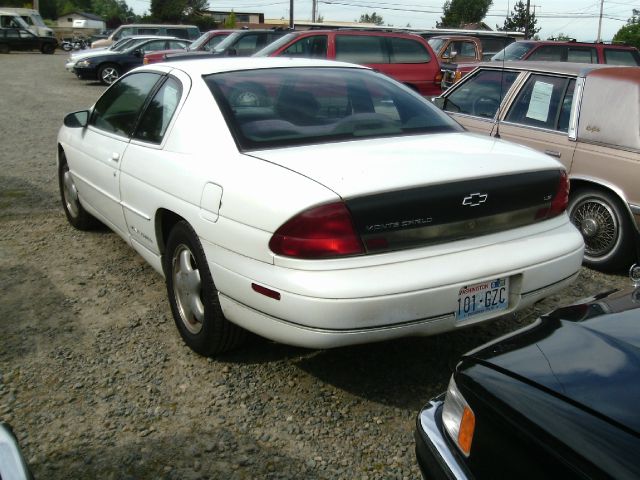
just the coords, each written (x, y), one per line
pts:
(119, 108)
(544, 102)
(621, 57)
(482, 94)
(156, 117)
(408, 51)
(361, 49)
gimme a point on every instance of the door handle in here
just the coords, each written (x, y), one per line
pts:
(553, 153)
(115, 157)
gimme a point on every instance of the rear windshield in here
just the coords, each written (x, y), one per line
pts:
(515, 51)
(299, 106)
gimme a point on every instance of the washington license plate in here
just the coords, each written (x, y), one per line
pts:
(482, 298)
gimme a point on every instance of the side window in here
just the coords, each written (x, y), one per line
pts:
(406, 50)
(154, 46)
(247, 45)
(361, 49)
(308, 47)
(213, 41)
(467, 50)
(147, 31)
(118, 109)
(125, 32)
(621, 57)
(177, 32)
(582, 55)
(13, 33)
(176, 44)
(26, 34)
(482, 94)
(156, 118)
(551, 53)
(541, 102)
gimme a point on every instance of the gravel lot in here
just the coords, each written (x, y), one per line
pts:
(95, 379)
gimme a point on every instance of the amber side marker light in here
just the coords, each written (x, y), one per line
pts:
(458, 419)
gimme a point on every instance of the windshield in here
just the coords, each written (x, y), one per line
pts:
(227, 42)
(436, 43)
(274, 46)
(515, 51)
(121, 44)
(37, 20)
(206, 41)
(276, 107)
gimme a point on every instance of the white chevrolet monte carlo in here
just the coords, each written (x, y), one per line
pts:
(314, 203)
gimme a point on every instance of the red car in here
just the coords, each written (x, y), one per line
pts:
(551, 51)
(406, 57)
(206, 42)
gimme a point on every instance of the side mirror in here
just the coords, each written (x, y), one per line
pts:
(439, 102)
(453, 56)
(232, 52)
(77, 119)
(138, 53)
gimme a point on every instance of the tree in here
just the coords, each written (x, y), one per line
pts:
(230, 21)
(373, 18)
(517, 20)
(630, 33)
(460, 12)
(561, 37)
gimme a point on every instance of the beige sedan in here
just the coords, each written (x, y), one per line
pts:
(586, 116)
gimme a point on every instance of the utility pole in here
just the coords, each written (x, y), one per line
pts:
(527, 20)
(314, 6)
(291, 14)
(598, 40)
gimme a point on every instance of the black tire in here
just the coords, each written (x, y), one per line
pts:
(108, 73)
(48, 48)
(194, 298)
(605, 227)
(77, 216)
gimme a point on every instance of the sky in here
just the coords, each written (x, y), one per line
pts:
(574, 18)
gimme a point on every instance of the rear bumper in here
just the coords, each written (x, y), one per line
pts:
(436, 459)
(332, 308)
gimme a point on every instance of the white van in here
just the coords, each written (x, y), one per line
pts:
(32, 19)
(188, 32)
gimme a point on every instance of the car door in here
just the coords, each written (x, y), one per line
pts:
(94, 157)
(474, 101)
(539, 116)
(148, 170)
(135, 57)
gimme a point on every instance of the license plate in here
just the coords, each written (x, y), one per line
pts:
(482, 298)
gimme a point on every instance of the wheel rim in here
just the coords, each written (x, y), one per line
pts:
(70, 193)
(187, 289)
(598, 224)
(109, 75)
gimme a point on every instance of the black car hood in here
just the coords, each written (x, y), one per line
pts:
(589, 353)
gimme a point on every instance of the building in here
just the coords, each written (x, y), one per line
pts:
(81, 20)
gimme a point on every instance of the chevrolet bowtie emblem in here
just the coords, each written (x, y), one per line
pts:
(474, 199)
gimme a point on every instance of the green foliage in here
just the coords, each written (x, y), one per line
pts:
(629, 34)
(230, 21)
(517, 20)
(460, 12)
(373, 18)
(561, 37)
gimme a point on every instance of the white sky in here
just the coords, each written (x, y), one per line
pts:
(575, 18)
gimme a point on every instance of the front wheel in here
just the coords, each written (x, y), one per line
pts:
(48, 48)
(193, 296)
(605, 227)
(66, 46)
(107, 74)
(77, 216)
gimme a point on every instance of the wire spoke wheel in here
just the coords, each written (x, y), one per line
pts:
(598, 225)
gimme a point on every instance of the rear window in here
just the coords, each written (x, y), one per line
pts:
(621, 57)
(300, 106)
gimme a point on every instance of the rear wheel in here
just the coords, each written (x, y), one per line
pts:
(605, 227)
(109, 73)
(193, 296)
(73, 209)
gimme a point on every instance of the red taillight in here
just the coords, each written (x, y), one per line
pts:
(321, 232)
(438, 78)
(559, 201)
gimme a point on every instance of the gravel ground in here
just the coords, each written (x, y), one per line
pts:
(95, 379)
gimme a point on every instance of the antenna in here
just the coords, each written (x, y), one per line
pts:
(497, 121)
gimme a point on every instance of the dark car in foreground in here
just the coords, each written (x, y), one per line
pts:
(22, 39)
(557, 399)
(107, 67)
